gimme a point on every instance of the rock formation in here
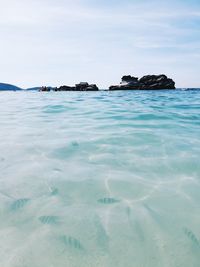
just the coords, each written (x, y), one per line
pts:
(86, 87)
(65, 88)
(45, 89)
(148, 82)
(83, 86)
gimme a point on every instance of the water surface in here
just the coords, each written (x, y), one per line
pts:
(100, 179)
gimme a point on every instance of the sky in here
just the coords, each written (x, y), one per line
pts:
(57, 42)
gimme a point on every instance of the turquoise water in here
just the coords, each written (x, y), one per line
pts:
(100, 179)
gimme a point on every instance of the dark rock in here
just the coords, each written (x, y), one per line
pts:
(129, 79)
(81, 86)
(65, 88)
(84, 86)
(148, 82)
(45, 89)
(78, 87)
(156, 82)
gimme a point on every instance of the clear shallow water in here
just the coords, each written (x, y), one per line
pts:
(100, 179)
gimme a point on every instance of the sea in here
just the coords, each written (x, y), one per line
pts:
(100, 179)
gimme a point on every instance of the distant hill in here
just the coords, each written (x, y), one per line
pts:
(9, 87)
(33, 89)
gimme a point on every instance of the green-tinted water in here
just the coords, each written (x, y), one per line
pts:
(100, 179)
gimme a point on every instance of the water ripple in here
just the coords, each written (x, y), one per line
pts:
(100, 179)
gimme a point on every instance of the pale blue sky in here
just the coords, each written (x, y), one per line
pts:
(55, 42)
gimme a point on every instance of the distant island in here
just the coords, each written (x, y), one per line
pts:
(9, 87)
(83, 86)
(128, 82)
(148, 82)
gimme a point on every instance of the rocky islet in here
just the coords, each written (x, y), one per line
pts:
(148, 82)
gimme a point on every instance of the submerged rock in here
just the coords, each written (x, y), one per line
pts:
(148, 82)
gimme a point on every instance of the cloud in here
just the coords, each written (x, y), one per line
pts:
(62, 41)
